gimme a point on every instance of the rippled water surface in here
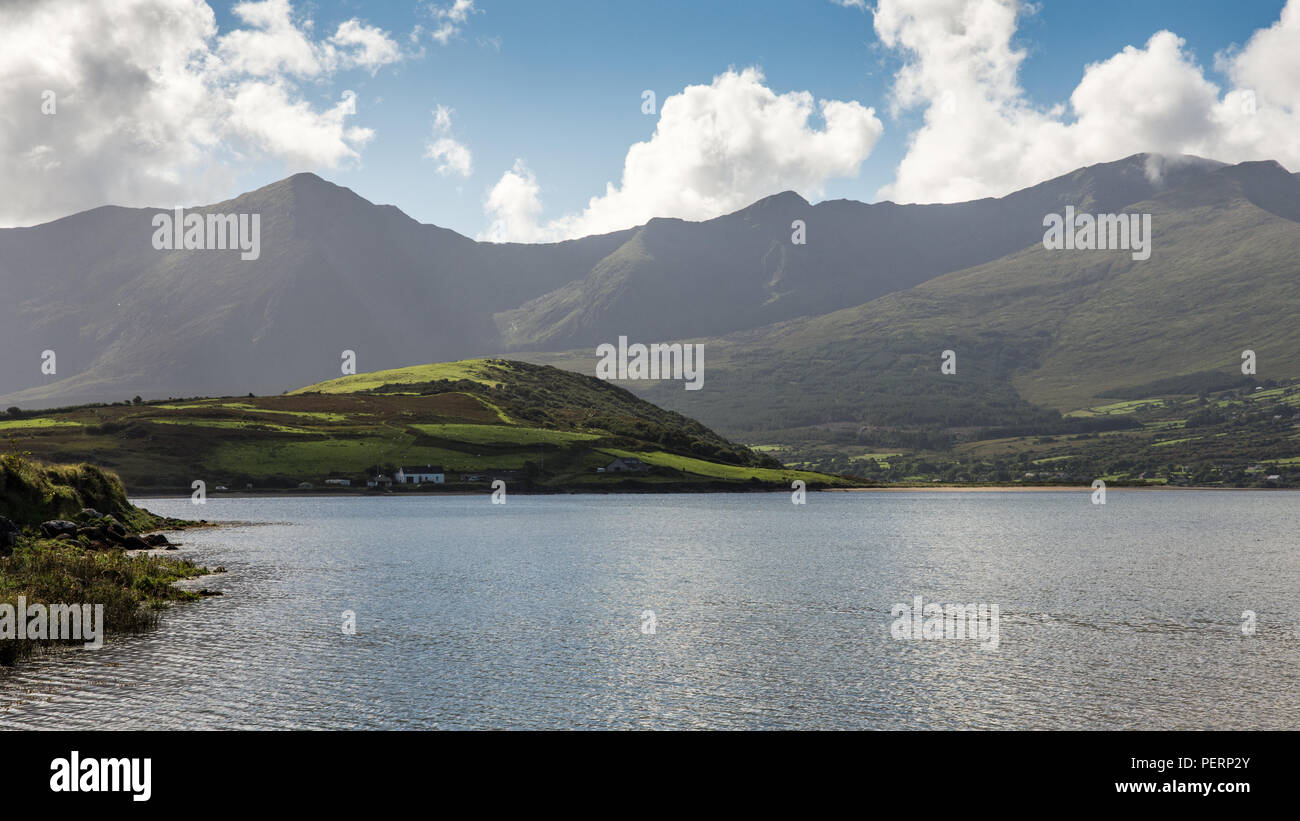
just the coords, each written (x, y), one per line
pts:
(768, 615)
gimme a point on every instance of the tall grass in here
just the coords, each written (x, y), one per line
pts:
(132, 588)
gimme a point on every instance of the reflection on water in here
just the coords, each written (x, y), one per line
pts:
(768, 615)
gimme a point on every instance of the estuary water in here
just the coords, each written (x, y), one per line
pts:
(708, 611)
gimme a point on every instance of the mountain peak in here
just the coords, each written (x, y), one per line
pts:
(785, 198)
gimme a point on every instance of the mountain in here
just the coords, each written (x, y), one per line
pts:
(543, 428)
(337, 273)
(1036, 332)
(674, 279)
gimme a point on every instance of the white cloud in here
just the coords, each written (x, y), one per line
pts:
(716, 149)
(271, 45)
(442, 118)
(515, 205)
(155, 106)
(453, 157)
(452, 19)
(267, 116)
(981, 136)
(373, 48)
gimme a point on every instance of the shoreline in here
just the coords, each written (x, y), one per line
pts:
(326, 494)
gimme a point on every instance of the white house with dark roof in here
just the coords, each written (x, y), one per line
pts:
(420, 475)
(626, 464)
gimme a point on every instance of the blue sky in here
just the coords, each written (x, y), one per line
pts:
(559, 84)
(564, 91)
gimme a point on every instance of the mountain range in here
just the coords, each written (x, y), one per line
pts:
(844, 330)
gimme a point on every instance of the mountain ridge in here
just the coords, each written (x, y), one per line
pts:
(339, 273)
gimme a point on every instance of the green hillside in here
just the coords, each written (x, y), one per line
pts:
(540, 427)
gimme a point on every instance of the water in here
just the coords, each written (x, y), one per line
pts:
(768, 615)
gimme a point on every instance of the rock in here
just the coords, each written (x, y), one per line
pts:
(58, 528)
(93, 532)
(156, 540)
(113, 537)
(90, 513)
(136, 543)
(115, 526)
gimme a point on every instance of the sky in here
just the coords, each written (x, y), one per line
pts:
(517, 120)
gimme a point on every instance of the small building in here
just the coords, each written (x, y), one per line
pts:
(339, 482)
(420, 475)
(471, 477)
(305, 485)
(379, 480)
(626, 464)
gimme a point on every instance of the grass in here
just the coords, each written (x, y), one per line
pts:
(132, 588)
(1131, 406)
(313, 460)
(470, 369)
(503, 435)
(316, 416)
(33, 493)
(1167, 442)
(38, 422)
(233, 424)
(713, 470)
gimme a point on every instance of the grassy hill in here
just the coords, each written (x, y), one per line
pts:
(540, 427)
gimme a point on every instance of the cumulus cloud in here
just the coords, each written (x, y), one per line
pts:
(981, 136)
(153, 105)
(515, 203)
(453, 157)
(716, 149)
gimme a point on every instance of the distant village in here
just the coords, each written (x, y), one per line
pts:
(423, 475)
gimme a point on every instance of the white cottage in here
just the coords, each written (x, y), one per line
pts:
(420, 475)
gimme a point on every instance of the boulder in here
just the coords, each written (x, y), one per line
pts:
(90, 513)
(156, 540)
(136, 543)
(114, 526)
(58, 528)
